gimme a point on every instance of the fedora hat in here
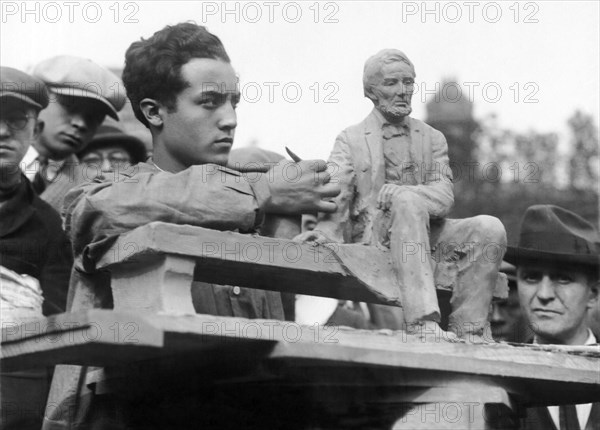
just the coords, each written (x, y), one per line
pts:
(112, 134)
(553, 234)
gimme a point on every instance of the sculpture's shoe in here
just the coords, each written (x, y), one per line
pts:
(430, 332)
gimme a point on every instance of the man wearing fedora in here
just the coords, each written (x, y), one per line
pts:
(111, 152)
(82, 93)
(557, 262)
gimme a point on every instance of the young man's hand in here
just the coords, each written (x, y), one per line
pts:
(301, 187)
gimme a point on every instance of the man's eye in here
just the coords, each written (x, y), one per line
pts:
(408, 82)
(531, 277)
(16, 117)
(563, 279)
(211, 101)
(91, 160)
(235, 100)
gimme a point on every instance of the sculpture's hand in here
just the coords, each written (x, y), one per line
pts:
(387, 192)
(315, 236)
(301, 187)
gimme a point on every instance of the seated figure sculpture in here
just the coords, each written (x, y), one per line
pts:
(397, 190)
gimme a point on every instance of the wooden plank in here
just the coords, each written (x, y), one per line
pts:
(314, 354)
(109, 338)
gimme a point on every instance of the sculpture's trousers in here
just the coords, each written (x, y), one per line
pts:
(461, 255)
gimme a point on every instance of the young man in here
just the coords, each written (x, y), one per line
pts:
(32, 242)
(397, 191)
(82, 93)
(557, 260)
(183, 88)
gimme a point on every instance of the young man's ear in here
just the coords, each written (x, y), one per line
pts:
(151, 110)
(38, 129)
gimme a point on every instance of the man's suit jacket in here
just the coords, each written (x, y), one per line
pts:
(539, 419)
(70, 175)
(360, 171)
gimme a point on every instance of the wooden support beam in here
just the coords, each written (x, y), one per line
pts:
(349, 272)
(163, 284)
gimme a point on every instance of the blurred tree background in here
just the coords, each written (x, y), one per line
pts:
(501, 172)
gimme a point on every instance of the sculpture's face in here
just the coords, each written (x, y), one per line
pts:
(393, 89)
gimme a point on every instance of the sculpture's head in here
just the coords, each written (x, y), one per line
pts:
(388, 80)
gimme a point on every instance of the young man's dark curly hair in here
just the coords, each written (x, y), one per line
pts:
(153, 66)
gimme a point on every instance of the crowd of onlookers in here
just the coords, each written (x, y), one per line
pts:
(63, 200)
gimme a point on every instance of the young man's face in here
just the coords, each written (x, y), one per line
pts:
(555, 301)
(201, 128)
(18, 130)
(70, 124)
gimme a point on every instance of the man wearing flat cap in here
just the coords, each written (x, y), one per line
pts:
(81, 93)
(33, 245)
(557, 260)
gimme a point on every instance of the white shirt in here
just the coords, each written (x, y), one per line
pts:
(30, 164)
(583, 410)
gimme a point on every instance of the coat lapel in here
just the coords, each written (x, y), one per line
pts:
(593, 422)
(373, 138)
(17, 210)
(416, 148)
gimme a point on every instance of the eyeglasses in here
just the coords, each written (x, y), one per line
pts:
(16, 122)
(114, 160)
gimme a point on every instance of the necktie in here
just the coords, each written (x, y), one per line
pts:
(567, 416)
(390, 130)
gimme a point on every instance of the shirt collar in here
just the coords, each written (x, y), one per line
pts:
(591, 339)
(151, 162)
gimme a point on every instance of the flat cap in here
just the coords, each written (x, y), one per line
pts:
(17, 84)
(80, 77)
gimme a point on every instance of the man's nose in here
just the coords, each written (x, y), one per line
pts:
(228, 119)
(4, 129)
(79, 121)
(545, 290)
(496, 315)
(106, 165)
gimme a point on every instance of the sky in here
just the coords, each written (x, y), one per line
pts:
(300, 63)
